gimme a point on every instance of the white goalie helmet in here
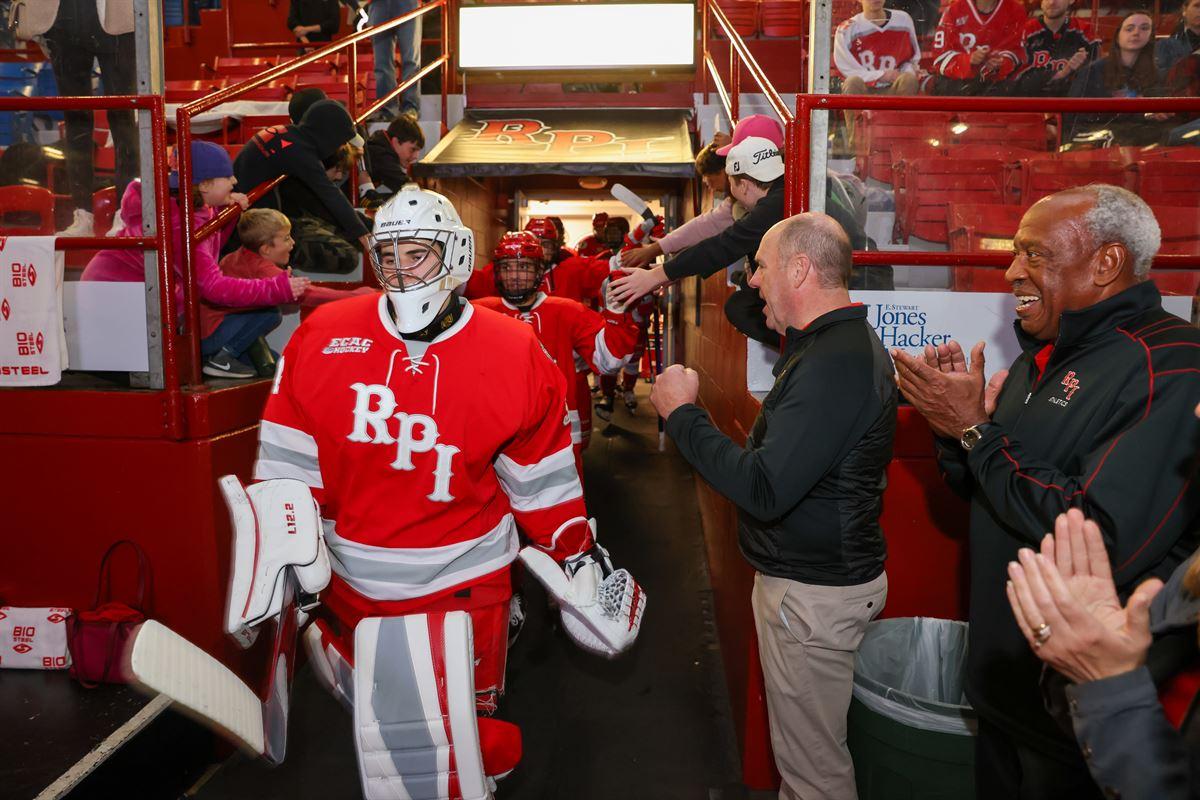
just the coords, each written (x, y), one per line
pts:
(421, 252)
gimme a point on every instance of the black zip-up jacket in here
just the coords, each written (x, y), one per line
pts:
(809, 482)
(1106, 425)
(739, 239)
(297, 151)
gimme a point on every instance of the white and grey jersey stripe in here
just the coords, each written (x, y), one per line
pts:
(285, 452)
(402, 573)
(548, 483)
(606, 362)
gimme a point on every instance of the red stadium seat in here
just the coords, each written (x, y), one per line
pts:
(743, 16)
(1168, 182)
(1036, 178)
(1180, 230)
(186, 91)
(1015, 130)
(982, 227)
(932, 184)
(782, 19)
(904, 152)
(241, 68)
(26, 211)
(252, 124)
(877, 131)
(1006, 153)
(104, 209)
(1121, 155)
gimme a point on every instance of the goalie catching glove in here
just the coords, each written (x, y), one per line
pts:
(601, 607)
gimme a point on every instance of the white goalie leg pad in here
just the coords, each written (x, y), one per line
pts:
(602, 614)
(415, 728)
(276, 526)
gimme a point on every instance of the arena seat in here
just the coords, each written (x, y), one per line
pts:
(1015, 130)
(1180, 227)
(241, 67)
(932, 184)
(104, 209)
(1035, 178)
(186, 91)
(782, 19)
(26, 211)
(982, 227)
(905, 152)
(253, 123)
(1122, 155)
(1169, 182)
(743, 16)
(877, 131)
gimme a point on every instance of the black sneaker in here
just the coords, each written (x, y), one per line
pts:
(604, 408)
(225, 365)
(262, 358)
(630, 400)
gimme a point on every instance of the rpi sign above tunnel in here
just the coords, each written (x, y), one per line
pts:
(564, 141)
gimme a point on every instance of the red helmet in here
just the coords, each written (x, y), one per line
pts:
(543, 228)
(518, 244)
(599, 220)
(518, 265)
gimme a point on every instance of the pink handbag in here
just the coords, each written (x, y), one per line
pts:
(99, 638)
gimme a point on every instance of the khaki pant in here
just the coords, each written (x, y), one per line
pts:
(807, 636)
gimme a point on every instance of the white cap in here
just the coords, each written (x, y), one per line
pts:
(757, 157)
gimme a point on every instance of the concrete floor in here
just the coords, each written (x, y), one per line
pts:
(653, 724)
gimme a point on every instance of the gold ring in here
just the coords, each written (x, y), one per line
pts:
(1041, 633)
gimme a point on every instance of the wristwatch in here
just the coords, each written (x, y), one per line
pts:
(971, 436)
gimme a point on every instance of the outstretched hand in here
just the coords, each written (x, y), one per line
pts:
(636, 284)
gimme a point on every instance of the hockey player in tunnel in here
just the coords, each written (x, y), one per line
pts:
(977, 46)
(562, 236)
(617, 239)
(1057, 45)
(423, 483)
(571, 332)
(593, 245)
(571, 276)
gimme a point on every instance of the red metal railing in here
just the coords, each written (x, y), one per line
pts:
(185, 114)
(160, 242)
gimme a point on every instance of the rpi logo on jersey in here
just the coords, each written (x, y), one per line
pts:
(23, 275)
(5, 310)
(374, 406)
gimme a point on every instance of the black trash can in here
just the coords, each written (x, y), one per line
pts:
(911, 731)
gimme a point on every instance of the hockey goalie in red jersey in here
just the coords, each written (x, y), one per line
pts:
(424, 481)
(569, 330)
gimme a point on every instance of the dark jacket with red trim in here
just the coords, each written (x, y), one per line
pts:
(1106, 427)
(809, 482)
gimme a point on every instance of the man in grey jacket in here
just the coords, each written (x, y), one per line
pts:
(809, 490)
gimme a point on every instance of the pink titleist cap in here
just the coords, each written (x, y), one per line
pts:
(755, 125)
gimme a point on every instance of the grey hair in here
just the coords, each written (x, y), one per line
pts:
(1118, 215)
(823, 240)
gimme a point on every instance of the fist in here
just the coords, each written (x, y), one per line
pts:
(676, 386)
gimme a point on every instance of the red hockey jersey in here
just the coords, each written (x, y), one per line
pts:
(423, 478)
(865, 49)
(573, 277)
(963, 29)
(590, 246)
(603, 342)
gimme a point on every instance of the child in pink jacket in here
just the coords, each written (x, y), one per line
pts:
(252, 299)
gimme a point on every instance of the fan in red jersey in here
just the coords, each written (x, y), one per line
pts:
(424, 482)
(572, 333)
(877, 51)
(977, 45)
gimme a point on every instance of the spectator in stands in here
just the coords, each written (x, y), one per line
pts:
(1057, 46)
(1068, 608)
(408, 38)
(756, 181)
(1184, 41)
(808, 485)
(212, 188)
(314, 20)
(322, 244)
(710, 167)
(267, 246)
(392, 153)
(300, 152)
(877, 53)
(1089, 417)
(1184, 81)
(977, 45)
(1127, 71)
(75, 42)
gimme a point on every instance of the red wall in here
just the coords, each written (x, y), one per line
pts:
(925, 524)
